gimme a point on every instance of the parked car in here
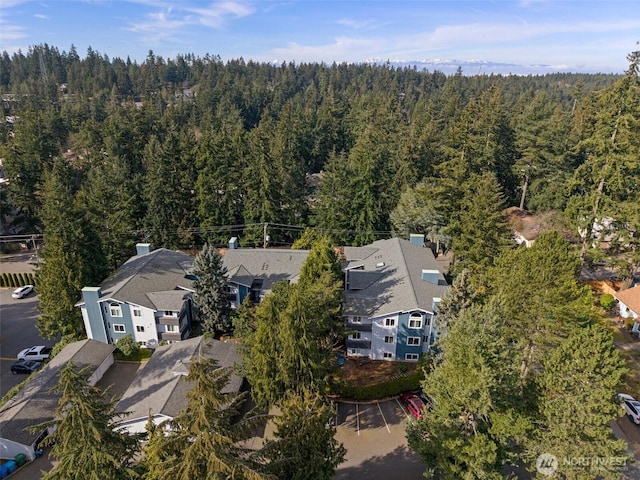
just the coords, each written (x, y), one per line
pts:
(631, 407)
(39, 353)
(22, 291)
(426, 399)
(413, 403)
(25, 366)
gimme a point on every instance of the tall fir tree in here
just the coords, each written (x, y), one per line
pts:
(479, 229)
(72, 258)
(85, 444)
(579, 381)
(205, 440)
(305, 445)
(210, 295)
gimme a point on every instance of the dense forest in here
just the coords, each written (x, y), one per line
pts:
(183, 151)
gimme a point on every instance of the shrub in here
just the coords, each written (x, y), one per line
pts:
(607, 301)
(127, 345)
(13, 280)
(4, 280)
(391, 388)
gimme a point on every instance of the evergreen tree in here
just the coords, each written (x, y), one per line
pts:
(204, 440)
(262, 348)
(305, 445)
(85, 444)
(321, 284)
(480, 230)
(210, 296)
(71, 257)
(334, 193)
(538, 293)
(605, 187)
(461, 296)
(476, 424)
(111, 196)
(578, 384)
(420, 210)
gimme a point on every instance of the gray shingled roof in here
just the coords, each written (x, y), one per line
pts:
(160, 385)
(391, 278)
(269, 265)
(159, 271)
(35, 403)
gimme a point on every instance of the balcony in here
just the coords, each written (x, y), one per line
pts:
(168, 320)
(359, 327)
(170, 336)
(361, 344)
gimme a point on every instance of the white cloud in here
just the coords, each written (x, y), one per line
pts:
(342, 49)
(12, 32)
(172, 20)
(40, 16)
(356, 24)
(215, 14)
(493, 33)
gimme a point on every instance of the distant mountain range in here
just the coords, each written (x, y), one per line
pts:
(482, 67)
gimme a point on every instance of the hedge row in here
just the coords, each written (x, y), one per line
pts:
(17, 279)
(391, 388)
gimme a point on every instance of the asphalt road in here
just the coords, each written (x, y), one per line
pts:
(17, 331)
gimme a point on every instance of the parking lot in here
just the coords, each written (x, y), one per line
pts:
(374, 436)
(17, 331)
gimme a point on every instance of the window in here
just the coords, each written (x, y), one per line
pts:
(388, 339)
(172, 328)
(413, 340)
(354, 351)
(389, 322)
(118, 327)
(427, 321)
(387, 355)
(415, 321)
(142, 344)
(425, 339)
(169, 313)
(139, 328)
(411, 356)
(137, 312)
(357, 320)
(115, 310)
(355, 336)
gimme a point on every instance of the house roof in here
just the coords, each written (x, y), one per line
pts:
(245, 265)
(160, 271)
(161, 385)
(35, 403)
(386, 277)
(631, 298)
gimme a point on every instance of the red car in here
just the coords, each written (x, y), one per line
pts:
(413, 403)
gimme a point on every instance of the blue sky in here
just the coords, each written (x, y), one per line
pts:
(500, 36)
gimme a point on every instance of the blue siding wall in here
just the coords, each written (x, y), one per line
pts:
(242, 293)
(91, 295)
(403, 332)
(124, 320)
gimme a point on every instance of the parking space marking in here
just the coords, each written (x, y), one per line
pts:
(385, 420)
(403, 408)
